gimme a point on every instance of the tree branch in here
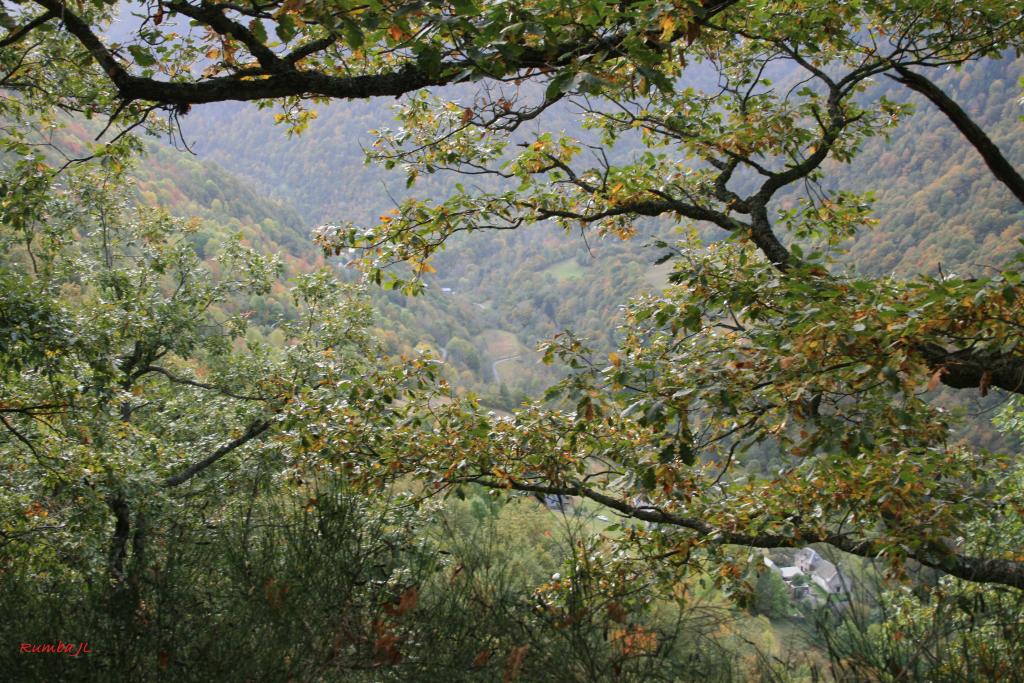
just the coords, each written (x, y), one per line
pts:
(253, 431)
(84, 34)
(19, 436)
(664, 204)
(967, 369)
(284, 80)
(976, 569)
(119, 541)
(997, 163)
(199, 385)
(17, 34)
(214, 18)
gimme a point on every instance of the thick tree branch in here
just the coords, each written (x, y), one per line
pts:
(310, 48)
(762, 235)
(829, 135)
(283, 79)
(17, 34)
(997, 163)
(215, 19)
(652, 207)
(976, 569)
(89, 40)
(119, 541)
(254, 430)
(967, 369)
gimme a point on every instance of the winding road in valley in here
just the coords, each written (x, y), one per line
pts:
(494, 366)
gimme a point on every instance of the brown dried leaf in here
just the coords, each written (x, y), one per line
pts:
(617, 612)
(385, 649)
(692, 33)
(986, 382)
(514, 663)
(936, 378)
(481, 659)
(408, 600)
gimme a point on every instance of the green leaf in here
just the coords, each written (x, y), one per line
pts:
(353, 34)
(586, 83)
(141, 55)
(258, 30)
(558, 85)
(285, 27)
(656, 78)
(429, 59)
(685, 453)
(648, 480)
(465, 8)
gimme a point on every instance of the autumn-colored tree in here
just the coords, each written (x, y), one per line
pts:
(762, 340)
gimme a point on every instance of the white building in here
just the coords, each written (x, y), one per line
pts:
(822, 573)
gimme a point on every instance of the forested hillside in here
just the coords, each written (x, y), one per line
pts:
(219, 207)
(936, 206)
(935, 200)
(922, 177)
(527, 340)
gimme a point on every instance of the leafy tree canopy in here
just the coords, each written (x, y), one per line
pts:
(692, 112)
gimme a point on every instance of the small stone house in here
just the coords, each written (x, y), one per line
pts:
(822, 572)
(819, 572)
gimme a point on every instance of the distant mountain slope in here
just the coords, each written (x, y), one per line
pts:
(935, 200)
(221, 207)
(321, 171)
(192, 187)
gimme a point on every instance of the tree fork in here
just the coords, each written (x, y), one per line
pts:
(119, 541)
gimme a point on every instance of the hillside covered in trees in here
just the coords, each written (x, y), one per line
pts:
(521, 341)
(935, 204)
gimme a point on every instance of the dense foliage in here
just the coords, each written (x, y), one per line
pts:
(186, 449)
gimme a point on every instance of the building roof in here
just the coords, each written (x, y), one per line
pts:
(809, 555)
(826, 570)
(790, 572)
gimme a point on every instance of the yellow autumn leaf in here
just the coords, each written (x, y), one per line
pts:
(668, 26)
